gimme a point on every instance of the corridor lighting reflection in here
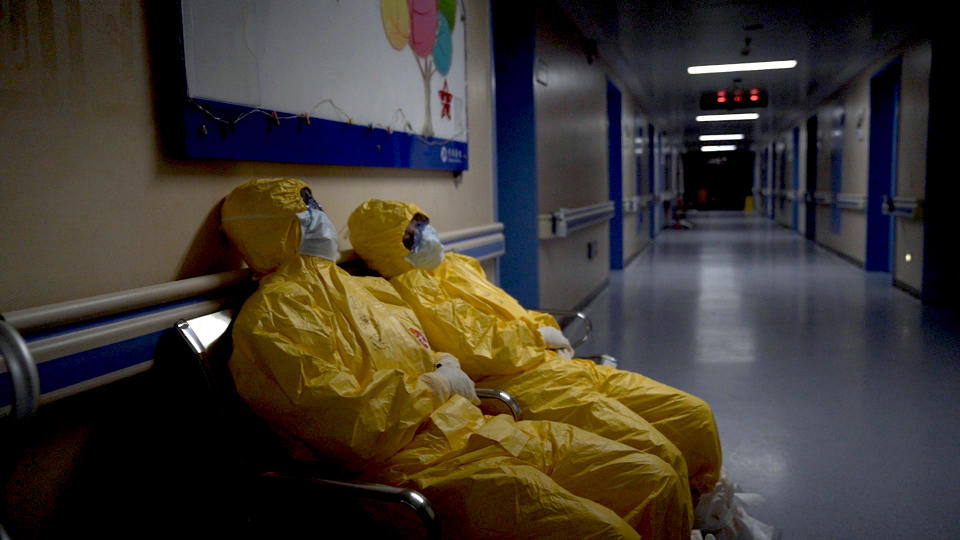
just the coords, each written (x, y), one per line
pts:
(722, 330)
(728, 137)
(726, 117)
(746, 66)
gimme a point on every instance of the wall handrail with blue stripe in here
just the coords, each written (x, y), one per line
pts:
(90, 342)
(851, 201)
(823, 198)
(903, 207)
(563, 221)
(636, 204)
(482, 243)
(83, 344)
(74, 311)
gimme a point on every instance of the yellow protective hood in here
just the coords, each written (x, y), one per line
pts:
(260, 218)
(376, 232)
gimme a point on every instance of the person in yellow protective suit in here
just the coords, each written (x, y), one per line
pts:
(339, 366)
(506, 346)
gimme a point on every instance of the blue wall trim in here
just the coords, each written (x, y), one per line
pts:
(76, 368)
(74, 327)
(514, 40)
(260, 138)
(579, 223)
(796, 178)
(615, 171)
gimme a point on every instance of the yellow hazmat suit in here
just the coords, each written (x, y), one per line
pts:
(336, 364)
(498, 343)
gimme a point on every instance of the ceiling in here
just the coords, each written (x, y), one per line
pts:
(651, 44)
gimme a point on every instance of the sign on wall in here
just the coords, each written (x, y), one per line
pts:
(327, 81)
(836, 167)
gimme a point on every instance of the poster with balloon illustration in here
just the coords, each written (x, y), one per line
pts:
(358, 82)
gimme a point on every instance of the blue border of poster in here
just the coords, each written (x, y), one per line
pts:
(261, 137)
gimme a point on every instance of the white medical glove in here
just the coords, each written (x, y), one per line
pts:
(438, 385)
(450, 378)
(607, 360)
(556, 341)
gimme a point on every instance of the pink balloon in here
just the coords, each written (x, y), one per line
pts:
(423, 26)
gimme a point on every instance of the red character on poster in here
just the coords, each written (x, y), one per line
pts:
(445, 98)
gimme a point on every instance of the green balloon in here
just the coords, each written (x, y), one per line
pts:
(449, 10)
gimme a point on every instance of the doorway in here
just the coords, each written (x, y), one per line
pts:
(615, 173)
(813, 148)
(882, 176)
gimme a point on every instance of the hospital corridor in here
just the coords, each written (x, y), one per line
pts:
(477, 269)
(835, 394)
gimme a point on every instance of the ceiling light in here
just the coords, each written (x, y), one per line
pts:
(730, 137)
(726, 117)
(748, 66)
(719, 148)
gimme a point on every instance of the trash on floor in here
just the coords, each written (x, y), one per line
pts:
(722, 514)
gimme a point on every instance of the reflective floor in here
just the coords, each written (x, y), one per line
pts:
(837, 395)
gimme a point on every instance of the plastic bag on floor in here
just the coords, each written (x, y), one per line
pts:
(722, 513)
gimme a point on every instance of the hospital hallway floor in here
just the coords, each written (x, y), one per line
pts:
(837, 396)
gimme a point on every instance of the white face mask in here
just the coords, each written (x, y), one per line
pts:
(318, 237)
(427, 252)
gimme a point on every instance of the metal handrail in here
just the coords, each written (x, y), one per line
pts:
(23, 372)
(575, 314)
(500, 395)
(408, 497)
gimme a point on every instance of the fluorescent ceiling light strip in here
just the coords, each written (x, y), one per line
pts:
(730, 137)
(748, 66)
(719, 148)
(726, 117)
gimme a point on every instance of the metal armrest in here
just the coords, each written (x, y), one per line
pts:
(408, 497)
(500, 395)
(23, 372)
(565, 315)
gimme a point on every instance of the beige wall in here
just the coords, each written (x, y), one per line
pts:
(855, 100)
(571, 124)
(633, 164)
(91, 206)
(784, 178)
(912, 161)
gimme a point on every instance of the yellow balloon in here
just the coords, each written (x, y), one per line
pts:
(396, 22)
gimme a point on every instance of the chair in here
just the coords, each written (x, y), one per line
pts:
(566, 318)
(207, 339)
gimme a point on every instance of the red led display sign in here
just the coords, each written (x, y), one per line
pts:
(738, 98)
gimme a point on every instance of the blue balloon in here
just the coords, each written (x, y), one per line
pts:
(443, 48)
